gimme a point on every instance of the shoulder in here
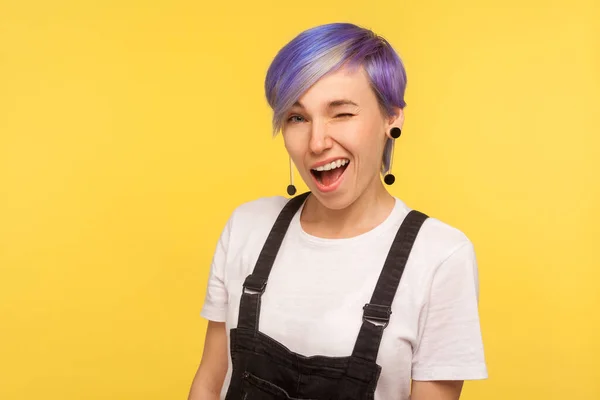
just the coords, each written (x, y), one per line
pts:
(258, 212)
(251, 221)
(436, 234)
(439, 242)
(441, 235)
(245, 233)
(442, 262)
(456, 255)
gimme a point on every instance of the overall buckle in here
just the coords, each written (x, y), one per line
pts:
(254, 284)
(377, 313)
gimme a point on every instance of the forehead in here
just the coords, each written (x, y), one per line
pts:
(345, 83)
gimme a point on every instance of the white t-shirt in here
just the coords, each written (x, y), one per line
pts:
(314, 299)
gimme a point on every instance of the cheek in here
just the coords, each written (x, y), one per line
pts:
(362, 142)
(294, 147)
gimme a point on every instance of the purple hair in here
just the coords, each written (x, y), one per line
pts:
(325, 48)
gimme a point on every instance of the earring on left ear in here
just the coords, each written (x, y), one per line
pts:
(389, 178)
(291, 189)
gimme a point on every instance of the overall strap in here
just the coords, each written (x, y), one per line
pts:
(255, 284)
(376, 315)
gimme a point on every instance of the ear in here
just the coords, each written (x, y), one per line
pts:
(396, 120)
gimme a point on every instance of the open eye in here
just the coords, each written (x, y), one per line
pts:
(295, 118)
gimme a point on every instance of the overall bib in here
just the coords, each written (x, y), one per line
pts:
(264, 369)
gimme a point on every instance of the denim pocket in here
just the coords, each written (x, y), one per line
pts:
(255, 388)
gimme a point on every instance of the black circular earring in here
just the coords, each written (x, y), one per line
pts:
(389, 178)
(291, 189)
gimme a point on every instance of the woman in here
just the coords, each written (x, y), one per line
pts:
(343, 292)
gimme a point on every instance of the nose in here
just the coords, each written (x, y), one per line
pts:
(319, 139)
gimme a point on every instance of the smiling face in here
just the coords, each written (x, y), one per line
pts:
(335, 135)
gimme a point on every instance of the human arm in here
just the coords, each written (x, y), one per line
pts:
(436, 390)
(210, 375)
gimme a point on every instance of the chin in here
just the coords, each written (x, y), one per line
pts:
(334, 201)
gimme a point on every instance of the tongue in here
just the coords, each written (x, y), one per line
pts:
(329, 177)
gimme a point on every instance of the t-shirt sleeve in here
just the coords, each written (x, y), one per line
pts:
(450, 345)
(215, 302)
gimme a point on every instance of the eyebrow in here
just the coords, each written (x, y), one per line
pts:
(332, 104)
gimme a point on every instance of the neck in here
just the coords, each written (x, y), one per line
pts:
(370, 209)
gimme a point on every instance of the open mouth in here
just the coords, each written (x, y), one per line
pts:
(328, 174)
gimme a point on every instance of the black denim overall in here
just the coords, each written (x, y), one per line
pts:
(264, 369)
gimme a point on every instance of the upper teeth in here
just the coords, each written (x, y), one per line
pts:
(332, 165)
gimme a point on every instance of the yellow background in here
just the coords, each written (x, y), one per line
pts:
(129, 130)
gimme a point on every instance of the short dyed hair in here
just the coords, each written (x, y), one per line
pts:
(325, 48)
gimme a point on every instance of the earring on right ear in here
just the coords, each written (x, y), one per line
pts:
(291, 189)
(389, 178)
